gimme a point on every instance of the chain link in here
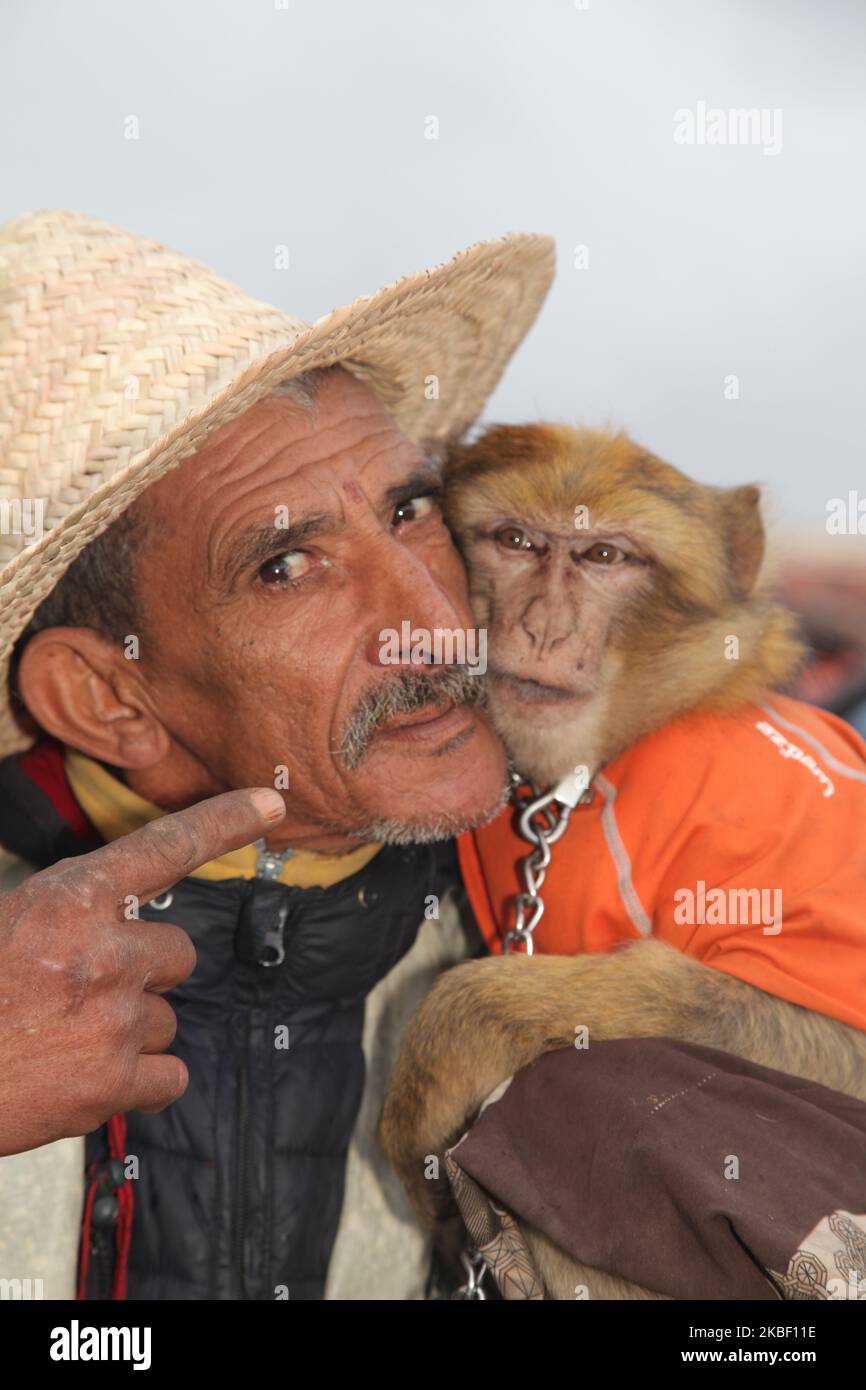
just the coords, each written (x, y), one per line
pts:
(475, 1266)
(543, 819)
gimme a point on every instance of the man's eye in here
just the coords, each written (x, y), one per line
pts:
(416, 509)
(286, 568)
(513, 538)
(604, 554)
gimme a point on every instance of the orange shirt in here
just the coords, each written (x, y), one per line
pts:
(739, 838)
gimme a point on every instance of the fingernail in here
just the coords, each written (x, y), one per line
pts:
(269, 803)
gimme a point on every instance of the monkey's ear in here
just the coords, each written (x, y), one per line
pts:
(744, 536)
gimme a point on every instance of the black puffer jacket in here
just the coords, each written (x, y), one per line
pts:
(240, 1183)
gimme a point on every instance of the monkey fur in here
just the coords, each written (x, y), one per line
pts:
(656, 622)
(637, 629)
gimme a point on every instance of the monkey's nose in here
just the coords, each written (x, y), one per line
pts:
(546, 625)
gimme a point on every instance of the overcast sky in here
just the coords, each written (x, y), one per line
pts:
(304, 123)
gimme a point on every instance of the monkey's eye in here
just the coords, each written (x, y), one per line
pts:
(604, 554)
(513, 538)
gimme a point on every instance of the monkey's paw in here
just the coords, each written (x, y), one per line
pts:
(479, 1024)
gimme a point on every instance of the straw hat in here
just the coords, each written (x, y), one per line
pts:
(118, 357)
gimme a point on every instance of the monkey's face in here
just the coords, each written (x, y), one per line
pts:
(592, 565)
(556, 605)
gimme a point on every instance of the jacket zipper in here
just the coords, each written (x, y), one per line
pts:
(273, 955)
(242, 1149)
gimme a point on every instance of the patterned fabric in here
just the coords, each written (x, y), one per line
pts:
(495, 1234)
(688, 1172)
(831, 1262)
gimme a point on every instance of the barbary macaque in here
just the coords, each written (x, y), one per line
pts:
(607, 582)
(630, 633)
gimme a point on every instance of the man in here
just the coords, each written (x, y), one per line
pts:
(180, 632)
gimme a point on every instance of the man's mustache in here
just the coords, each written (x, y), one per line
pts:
(404, 693)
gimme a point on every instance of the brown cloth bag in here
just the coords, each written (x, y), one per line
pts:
(688, 1171)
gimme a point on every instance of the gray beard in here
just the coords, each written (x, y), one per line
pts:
(386, 831)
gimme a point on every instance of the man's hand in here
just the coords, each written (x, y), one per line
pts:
(82, 1023)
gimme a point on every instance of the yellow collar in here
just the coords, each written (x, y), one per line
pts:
(115, 810)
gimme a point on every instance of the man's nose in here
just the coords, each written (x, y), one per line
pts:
(406, 603)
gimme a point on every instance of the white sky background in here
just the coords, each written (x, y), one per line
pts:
(305, 126)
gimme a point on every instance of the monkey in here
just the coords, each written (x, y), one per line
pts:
(631, 630)
(687, 577)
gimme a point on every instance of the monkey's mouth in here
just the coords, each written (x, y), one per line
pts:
(535, 692)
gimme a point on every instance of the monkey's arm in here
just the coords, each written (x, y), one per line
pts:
(486, 1019)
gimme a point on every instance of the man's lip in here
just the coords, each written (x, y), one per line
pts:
(431, 722)
(535, 692)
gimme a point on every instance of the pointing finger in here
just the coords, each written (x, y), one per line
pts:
(151, 859)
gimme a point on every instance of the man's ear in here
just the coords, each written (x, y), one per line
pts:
(744, 536)
(77, 686)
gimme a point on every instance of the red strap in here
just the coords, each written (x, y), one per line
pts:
(125, 1208)
(84, 1257)
(116, 1129)
(43, 764)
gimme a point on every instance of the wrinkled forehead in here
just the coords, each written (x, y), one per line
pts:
(304, 471)
(284, 446)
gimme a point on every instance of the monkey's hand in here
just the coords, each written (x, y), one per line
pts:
(486, 1019)
(481, 1022)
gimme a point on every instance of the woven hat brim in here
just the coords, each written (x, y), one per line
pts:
(458, 323)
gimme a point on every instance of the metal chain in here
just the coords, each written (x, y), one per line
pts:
(475, 1265)
(543, 820)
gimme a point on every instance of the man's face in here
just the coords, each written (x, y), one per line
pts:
(272, 562)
